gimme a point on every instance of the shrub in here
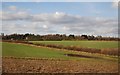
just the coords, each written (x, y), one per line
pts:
(110, 51)
(38, 44)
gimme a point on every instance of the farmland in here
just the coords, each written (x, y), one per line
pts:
(89, 44)
(18, 54)
(102, 47)
(19, 50)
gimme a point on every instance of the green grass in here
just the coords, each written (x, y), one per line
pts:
(88, 44)
(21, 50)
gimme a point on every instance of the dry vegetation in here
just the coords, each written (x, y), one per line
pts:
(10, 65)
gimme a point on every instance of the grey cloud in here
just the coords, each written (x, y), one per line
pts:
(58, 23)
(55, 18)
(7, 16)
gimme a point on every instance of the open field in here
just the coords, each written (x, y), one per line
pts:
(20, 50)
(101, 47)
(17, 65)
(88, 44)
(23, 50)
(49, 60)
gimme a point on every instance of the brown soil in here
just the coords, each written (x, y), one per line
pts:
(24, 65)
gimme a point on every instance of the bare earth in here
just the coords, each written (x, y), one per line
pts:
(25, 65)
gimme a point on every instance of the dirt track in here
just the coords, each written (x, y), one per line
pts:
(13, 65)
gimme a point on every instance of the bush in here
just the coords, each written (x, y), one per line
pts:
(110, 51)
(38, 44)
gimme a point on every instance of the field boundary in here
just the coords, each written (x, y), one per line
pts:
(34, 58)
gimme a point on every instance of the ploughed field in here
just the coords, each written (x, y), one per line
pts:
(25, 58)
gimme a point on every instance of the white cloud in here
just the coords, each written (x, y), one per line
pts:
(15, 16)
(12, 8)
(65, 28)
(58, 22)
(45, 26)
(59, 14)
(115, 3)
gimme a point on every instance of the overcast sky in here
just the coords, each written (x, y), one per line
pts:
(91, 18)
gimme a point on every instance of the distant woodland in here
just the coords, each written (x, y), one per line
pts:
(54, 37)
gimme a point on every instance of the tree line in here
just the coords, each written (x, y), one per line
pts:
(54, 37)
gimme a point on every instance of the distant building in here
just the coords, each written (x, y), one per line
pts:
(11, 39)
(26, 38)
